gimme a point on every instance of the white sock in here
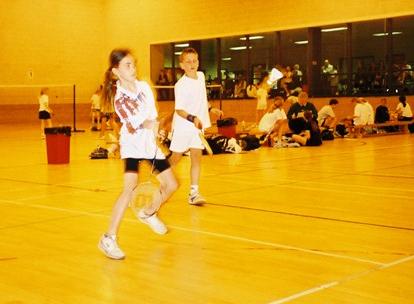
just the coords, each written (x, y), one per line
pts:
(193, 189)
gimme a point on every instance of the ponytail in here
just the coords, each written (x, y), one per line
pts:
(109, 88)
(109, 84)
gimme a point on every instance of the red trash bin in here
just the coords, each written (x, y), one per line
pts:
(58, 145)
(227, 126)
(228, 131)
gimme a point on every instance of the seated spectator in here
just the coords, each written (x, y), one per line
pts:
(311, 136)
(363, 116)
(296, 112)
(326, 115)
(381, 112)
(274, 122)
(404, 110)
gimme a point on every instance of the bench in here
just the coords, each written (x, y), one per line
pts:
(402, 127)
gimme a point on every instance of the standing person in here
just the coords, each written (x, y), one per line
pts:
(96, 109)
(190, 118)
(261, 94)
(44, 111)
(108, 115)
(134, 104)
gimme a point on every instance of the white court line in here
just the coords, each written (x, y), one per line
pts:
(380, 266)
(345, 279)
(214, 234)
(305, 292)
(276, 245)
(351, 185)
(347, 191)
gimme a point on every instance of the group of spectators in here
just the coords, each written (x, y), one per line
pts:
(307, 127)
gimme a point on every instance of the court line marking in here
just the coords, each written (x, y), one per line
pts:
(80, 190)
(293, 184)
(214, 234)
(312, 216)
(343, 280)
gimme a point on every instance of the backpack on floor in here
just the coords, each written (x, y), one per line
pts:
(99, 153)
(341, 130)
(249, 142)
(327, 135)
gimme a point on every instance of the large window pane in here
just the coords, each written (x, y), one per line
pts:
(333, 54)
(403, 53)
(233, 62)
(261, 54)
(369, 57)
(291, 54)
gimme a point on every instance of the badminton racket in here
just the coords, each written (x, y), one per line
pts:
(266, 137)
(205, 143)
(144, 193)
(143, 196)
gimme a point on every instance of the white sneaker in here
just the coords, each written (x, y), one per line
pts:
(153, 221)
(196, 199)
(279, 144)
(293, 145)
(109, 246)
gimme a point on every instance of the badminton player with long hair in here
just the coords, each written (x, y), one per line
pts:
(134, 104)
(191, 117)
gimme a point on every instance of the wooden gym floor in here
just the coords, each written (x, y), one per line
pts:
(333, 224)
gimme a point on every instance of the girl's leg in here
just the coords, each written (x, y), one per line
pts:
(175, 158)
(130, 182)
(103, 127)
(108, 242)
(168, 185)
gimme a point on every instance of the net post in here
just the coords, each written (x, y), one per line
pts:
(74, 110)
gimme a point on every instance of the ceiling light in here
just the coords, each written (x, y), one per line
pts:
(226, 58)
(302, 42)
(177, 53)
(252, 38)
(182, 45)
(334, 29)
(386, 34)
(239, 48)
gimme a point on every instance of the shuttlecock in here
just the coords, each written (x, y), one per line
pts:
(274, 76)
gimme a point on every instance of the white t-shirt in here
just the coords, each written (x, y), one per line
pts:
(133, 108)
(269, 119)
(43, 103)
(362, 114)
(406, 111)
(191, 96)
(324, 113)
(371, 113)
